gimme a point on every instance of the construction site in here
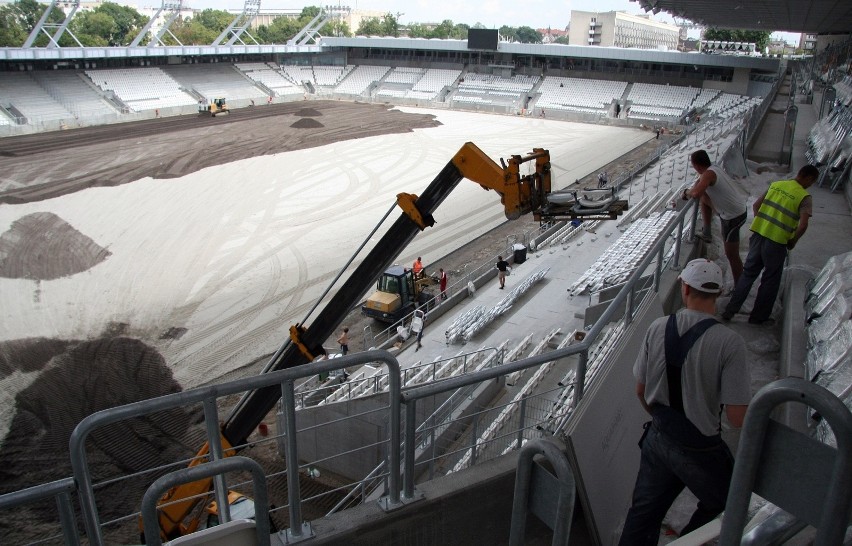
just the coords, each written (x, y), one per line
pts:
(173, 297)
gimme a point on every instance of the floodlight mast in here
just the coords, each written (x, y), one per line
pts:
(61, 28)
(173, 9)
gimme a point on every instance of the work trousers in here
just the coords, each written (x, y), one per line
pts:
(763, 255)
(665, 468)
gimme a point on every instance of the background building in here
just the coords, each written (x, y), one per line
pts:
(619, 29)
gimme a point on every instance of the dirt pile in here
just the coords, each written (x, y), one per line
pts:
(43, 246)
(307, 123)
(78, 379)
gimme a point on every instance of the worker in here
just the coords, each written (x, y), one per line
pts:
(343, 341)
(443, 284)
(716, 192)
(781, 217)
(417, 267)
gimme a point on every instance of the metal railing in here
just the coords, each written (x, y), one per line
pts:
(409, 397)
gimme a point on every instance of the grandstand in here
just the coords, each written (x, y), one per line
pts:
(453, 433)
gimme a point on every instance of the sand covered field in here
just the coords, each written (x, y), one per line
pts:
(142, 259)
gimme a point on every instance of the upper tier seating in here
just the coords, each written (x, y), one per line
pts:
(653, 100)
(579, 94)
(30, 99)
(361, 78)
(270, 77)
(215, 81)
(141, 88)
(78, 97)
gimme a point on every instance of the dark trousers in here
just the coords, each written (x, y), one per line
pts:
(763, 255)
(666, 467)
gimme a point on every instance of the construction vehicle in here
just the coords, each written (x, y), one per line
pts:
(216, 107)
(519, 194)
(398, 293)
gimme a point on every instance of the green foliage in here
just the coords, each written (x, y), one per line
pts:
(562, 40)
(528, 35)
(373, 26)
(12, 33)
(759, 37)
(281, 30)
(216, 20)
(337, 28)
(128, 22)
(192, 32)
(94, 29)
(308, 13)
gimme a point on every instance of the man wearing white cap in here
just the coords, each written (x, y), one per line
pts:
(688, 368)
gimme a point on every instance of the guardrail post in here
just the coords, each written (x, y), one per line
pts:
(521, 418)
(214, 439)
(678, 242)
(629, 304)
(293, 492)
(693, 221)
(582, 364)
(473, 434)
(432, 444)
(66, 518)
(410, 441)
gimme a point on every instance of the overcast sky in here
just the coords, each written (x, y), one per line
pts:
(491, 13)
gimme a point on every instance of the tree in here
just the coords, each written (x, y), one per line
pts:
(18, 19)
(94, 29)
(460, 31)
(418, 30)
(280, 31)
(758, 37)
(562, 40)
(390, 26)
(369, 26)
(12, 33)
(127, 23)
(337, 27)
(216, 20)
(308, 13)
(528, 35)
(444, 30)
(509, 34)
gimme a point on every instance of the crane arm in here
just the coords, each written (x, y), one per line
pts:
(519, 195)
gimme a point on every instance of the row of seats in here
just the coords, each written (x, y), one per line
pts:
(71, 90)
(559, 93)
(22, 92)
(672, 96)
(487, 82)
(360, 79)
(216, 80)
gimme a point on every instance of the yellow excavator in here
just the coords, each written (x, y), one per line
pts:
(216, 107)
(179, 511)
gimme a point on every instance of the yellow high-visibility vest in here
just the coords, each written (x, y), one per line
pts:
(778, 216)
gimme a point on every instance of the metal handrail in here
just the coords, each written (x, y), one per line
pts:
(207, 396)
(59, 489)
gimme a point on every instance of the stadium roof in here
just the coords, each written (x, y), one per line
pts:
(559, 50)
(810, 16)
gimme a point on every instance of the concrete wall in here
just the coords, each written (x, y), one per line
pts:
(473, 506)
(738, 84)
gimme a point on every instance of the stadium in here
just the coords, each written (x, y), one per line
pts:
(157, 250)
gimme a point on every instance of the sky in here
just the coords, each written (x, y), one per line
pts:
(491, 13)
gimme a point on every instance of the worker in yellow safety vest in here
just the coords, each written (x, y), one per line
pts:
(781, 217)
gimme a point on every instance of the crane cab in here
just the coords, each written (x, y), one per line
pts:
(397, 294)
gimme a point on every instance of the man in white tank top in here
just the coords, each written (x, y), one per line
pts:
(717, 192)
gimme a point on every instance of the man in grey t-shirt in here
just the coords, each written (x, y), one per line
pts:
(682, 446)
